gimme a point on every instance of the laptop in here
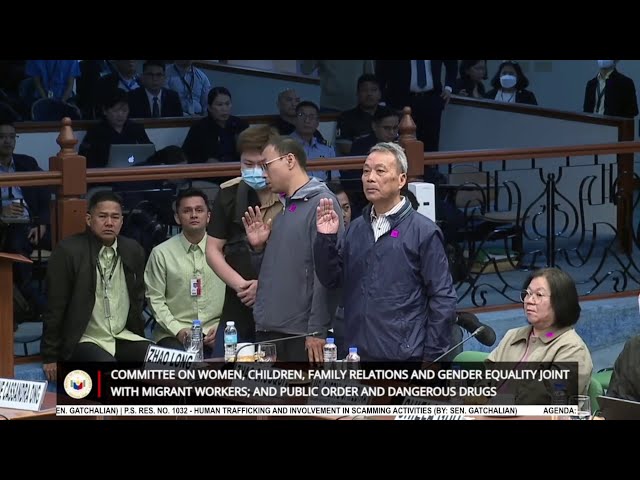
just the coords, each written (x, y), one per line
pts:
(121, 155)
(619, 409)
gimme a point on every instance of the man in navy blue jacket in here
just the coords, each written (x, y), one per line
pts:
(399, 301)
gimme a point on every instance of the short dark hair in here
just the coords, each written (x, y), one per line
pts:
(104, 196)
(522, 82)
(215, 91)
(563, 295)
(191, 192)
(383, 112)
(114, 96)
(307, 103)
(336, 188)
(6, 122)
(286, 145)
(466, 65)
(367, 77)
(153, 63)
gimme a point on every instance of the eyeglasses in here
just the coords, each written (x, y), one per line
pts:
(536, 297)
(265, 165)
(9, 136)
(309, 116)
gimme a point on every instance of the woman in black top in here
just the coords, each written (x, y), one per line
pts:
(214, 137)
(472, 73)
(510, 85)
(115, 128)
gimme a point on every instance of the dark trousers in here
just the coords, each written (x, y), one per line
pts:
(426, 110)
(288, 350)
(126, 351)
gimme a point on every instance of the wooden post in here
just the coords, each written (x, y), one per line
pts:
(624, 192)
(68, 209)
(6, 311)
(413, 148)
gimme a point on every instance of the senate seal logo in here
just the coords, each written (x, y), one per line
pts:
(78, 384)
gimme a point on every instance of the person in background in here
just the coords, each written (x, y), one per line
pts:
(338, 321)
(610, 92)
(191, 84)
(290, 300)
(399, 301)
(287, 119)
(227, 250)
(625, 379)
(306, 124)
(356, 123)
(95, 286)
(25, 217)
(53, 79)
(180, 286)
(213, 139)
(337, 79)
(153, 100)
(510, 85)
(114, 128)
(418, 84)
(472, 74)
(551, 306)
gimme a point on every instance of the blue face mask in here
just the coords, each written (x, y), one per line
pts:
(254, 178)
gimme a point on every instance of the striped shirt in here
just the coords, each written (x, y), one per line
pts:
(380, 223)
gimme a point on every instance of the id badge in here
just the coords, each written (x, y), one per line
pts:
(196, 287)
(50, 94)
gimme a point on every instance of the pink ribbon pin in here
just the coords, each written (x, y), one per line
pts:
(395, 233)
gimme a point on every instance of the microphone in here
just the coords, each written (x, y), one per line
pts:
(469, 322)
(478, 331)
(276, 340)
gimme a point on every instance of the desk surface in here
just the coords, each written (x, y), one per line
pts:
(48, 410)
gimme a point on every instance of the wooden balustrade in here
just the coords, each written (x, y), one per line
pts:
(68, 173)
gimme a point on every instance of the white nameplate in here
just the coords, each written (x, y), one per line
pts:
(22, 394)
(159, 357)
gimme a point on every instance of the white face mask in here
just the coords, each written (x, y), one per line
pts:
(508, 80)
(606, 63)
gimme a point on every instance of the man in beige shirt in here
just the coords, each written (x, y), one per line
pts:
(180, 286)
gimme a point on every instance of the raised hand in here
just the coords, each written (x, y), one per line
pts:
(257, 231)
(327, 220)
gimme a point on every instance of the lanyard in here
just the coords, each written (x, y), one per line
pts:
(182, 77)
(52, 70)
(106, 284)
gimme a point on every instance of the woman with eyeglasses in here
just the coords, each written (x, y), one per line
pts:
(551, 306)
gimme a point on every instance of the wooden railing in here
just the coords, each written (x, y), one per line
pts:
(256, 72)
(69, 175)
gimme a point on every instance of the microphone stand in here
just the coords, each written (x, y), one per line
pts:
(478, 331)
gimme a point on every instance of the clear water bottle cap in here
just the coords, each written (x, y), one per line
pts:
(231, 324)
(353, 350)
(196, 323)
(330, 340)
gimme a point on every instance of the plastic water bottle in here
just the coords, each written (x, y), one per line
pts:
(353, 359)
(230, 342)
(330, 351)
(197, 340)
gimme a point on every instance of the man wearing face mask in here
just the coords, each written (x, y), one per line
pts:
(510, 85)
(610, 92)
(227, 250)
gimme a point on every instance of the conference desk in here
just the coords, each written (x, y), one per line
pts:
(47, 410)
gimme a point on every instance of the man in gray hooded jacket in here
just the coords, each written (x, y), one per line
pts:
(290, 300)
